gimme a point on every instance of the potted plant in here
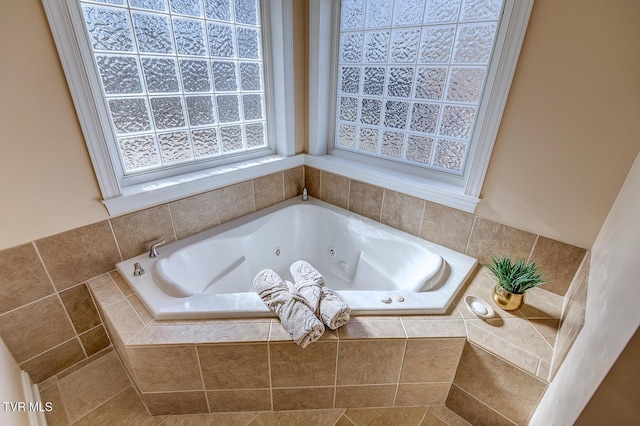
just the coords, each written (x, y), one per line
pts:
(514, 278)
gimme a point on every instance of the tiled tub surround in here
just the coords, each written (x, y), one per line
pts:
(50, 323)
(205, 366)
(47, 317)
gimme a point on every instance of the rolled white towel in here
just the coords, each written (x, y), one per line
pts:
(295, 316)
(328, 305)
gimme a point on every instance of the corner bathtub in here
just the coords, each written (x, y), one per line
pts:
(377, 269)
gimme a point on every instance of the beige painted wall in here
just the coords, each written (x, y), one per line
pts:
(570, 116)
(47, 184)
(569, 133)
(611, 316)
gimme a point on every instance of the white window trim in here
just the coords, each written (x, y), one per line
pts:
(119, 199)
(323, 15)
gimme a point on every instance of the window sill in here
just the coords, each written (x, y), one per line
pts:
(142, 196)
(137, 197)
(427, 189)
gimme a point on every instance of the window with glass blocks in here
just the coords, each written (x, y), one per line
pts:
(411, 75)
(183, 80)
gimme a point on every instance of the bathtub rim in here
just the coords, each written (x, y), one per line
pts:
(365, 303)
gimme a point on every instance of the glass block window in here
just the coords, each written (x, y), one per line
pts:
(411, 75)
(183, 80)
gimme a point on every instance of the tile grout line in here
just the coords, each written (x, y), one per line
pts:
(204, 386)
(533, 247)
(173, 224)
(487, 406)
(335, 378)
(504, 341)
(473, 225)
(268, 343)
(424, 210)
(113, 233)
(404, 354)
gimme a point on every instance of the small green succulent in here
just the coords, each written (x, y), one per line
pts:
(515, 277)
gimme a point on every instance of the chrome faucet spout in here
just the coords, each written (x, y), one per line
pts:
(153, 252)
(305, 194)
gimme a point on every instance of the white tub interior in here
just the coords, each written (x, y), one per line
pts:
(377, 269)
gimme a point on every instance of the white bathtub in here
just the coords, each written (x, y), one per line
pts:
(377, 269)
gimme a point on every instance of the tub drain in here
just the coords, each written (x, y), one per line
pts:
(277, 251)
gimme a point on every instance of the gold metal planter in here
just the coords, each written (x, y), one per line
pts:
(507, 300)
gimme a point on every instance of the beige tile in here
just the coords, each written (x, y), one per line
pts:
(165, 335)
(432, 420)
(54, 360)
(77, 255)
(94, 340)
(448, 416)
(292, 366)
(422, 394)
(235, 332)
(293, 182)
(344, 421)
(80, 308)
(494, 382)
(189, 402)
(23, 279)
(239, 400)
(303, 398)
(269, 190)
(136, 232)
(104, 290)
(124, 318)
(493, 239)
(405, 416)
(518, 332)
(58, 415)
(214, 419)
(365, 396)
(121, 283)
(402, 211)
(559, 263)
(544, 371)
(508, 351)
(81, 392)
(365, 199)
(235, 201)
(359, 361)
(548, 329)
(242, 366)
(539, 303)
(446, 226)
(35, 328)
(126, 408)
(474, 411)
(302, 417)
(165, 368)
(434, 328)
(334, 189)
(431, 360)
(312, 181)
(83, 363)
(362, 329)
(194, 214)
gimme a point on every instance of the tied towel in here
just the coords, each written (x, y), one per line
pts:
(295, 316)
(326, 303)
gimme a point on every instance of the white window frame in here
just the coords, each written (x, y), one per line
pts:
(464, 194)
(74, 51)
